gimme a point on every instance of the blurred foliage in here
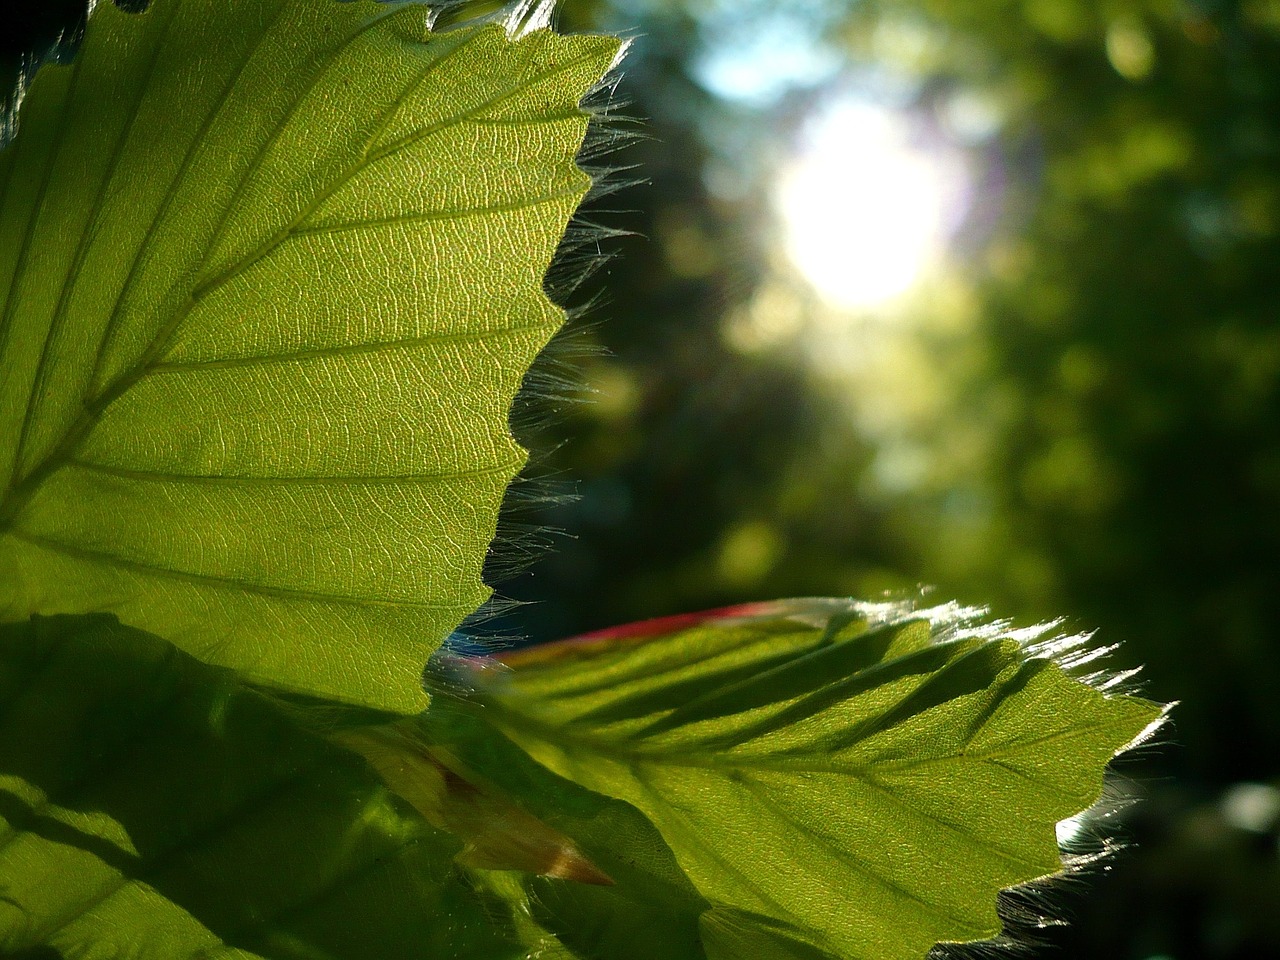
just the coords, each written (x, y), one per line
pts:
(1112, 395)
(1129, 351)
(703, 474)
(1085, 411)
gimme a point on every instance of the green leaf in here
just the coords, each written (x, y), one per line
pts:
(500, 835)
(865, 778)
(159, 806)
(650, 910)
(155, 807)
(270, 276)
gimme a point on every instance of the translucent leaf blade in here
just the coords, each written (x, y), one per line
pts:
(870, 775)
(270, 277)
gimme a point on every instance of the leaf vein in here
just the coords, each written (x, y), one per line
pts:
(159, 476)
(475, 111)
(696, 838)
(249, 586)
(858, 863)
(11, 300)
(162, 212)
(964, 833)
(85, 241)
(436, 216)
(347, 350)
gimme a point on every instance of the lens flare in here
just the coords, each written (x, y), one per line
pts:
(867, 206)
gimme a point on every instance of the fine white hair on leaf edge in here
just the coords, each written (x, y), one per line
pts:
(554, 383)
(528, 16)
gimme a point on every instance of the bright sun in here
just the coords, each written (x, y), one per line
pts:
(867, 210)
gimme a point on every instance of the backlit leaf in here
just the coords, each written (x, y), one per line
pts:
(270, 275)
(865, 778)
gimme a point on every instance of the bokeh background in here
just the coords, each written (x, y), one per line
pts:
(974, 295)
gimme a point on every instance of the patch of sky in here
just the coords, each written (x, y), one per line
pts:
(754, 52)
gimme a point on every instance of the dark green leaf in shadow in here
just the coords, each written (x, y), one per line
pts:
(153, 807)
(651, 910)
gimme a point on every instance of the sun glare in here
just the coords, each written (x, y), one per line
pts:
(867, 208)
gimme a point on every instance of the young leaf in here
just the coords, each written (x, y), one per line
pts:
(270, 276)
(499, 834)
(864, 779)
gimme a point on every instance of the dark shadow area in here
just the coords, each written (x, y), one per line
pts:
(272, 839)
(232, 803)
(34, 33)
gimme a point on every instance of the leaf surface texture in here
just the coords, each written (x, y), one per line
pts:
(869, 775)
(270, 276)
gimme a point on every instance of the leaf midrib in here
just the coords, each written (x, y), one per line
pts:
(519, 725)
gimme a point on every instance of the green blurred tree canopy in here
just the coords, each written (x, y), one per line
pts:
(1116, 389)
(1094, 389)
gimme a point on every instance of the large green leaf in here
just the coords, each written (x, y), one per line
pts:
(154, 807)
(869, 776)
(270, 276)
